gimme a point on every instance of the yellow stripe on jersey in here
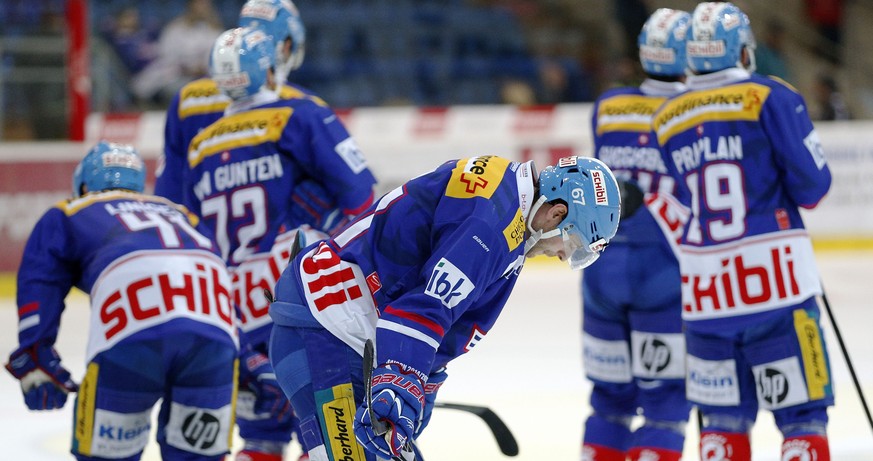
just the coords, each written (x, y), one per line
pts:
(289, 92)
(476, 177)
(732, 103)
(811, 348)
(201, 97)
(629, 112)
(239, 130)
(86, 406)
(73, 206)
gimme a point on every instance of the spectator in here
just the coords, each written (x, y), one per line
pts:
(183, 53)
(831, 103)
(770, 53)
(135, 44)
(563, 80)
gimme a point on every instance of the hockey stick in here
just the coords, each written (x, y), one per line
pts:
(380, 428)
(845, 351)
(502, 434)
(505, 440)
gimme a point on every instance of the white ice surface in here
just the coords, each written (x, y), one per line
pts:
(528, 370)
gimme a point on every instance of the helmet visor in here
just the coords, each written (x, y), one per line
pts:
(581, 254)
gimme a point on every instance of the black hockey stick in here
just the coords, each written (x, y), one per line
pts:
(845, 351)
(502, 434)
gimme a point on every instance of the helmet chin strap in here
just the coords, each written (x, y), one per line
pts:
(537, 235)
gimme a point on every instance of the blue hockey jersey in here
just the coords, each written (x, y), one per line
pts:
(426, 270)
(621, 124)
(745, 156)
(197, 105)
(148, 266)
(244, 170)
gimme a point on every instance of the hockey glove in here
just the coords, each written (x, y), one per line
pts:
(44, 382)
(434, 382)
(398, 400)
(257, 376)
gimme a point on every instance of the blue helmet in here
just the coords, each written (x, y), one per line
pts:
(718, 34)
(280, 20)
(240, 61)
(589, 189)
(662, 43)
(109, 166)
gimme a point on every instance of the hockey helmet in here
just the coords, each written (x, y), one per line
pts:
(240, 61)
(718, 34)
(662, 43)
(589, 189)
(279, 19)
(109, 166)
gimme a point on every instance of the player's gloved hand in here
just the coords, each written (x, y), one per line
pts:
(44, 382)
(257, 376)
(434, 382)
(311, 203)
(398, 400)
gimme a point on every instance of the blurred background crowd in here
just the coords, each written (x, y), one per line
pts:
(412, 52)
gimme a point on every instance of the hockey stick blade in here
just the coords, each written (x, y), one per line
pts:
(505, 440)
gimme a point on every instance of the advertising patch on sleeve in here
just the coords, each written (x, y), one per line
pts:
(476, 177)
(514, 232)
(448, 284)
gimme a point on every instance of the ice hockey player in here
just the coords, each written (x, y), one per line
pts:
(746, 158)
(200, 103)
(162, 325)
(633, 346)
(424, 273)
(243, 171)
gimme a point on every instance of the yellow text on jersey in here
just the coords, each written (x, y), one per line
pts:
(239, 130)
(741, 102)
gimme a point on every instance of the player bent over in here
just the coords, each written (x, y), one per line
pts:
(746, 158)
(424, 272)
(162, 325)
(633, 347)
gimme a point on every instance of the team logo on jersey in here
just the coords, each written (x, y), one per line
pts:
(476, 177)
(448, 284)
(514, 232)
(373, 283)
